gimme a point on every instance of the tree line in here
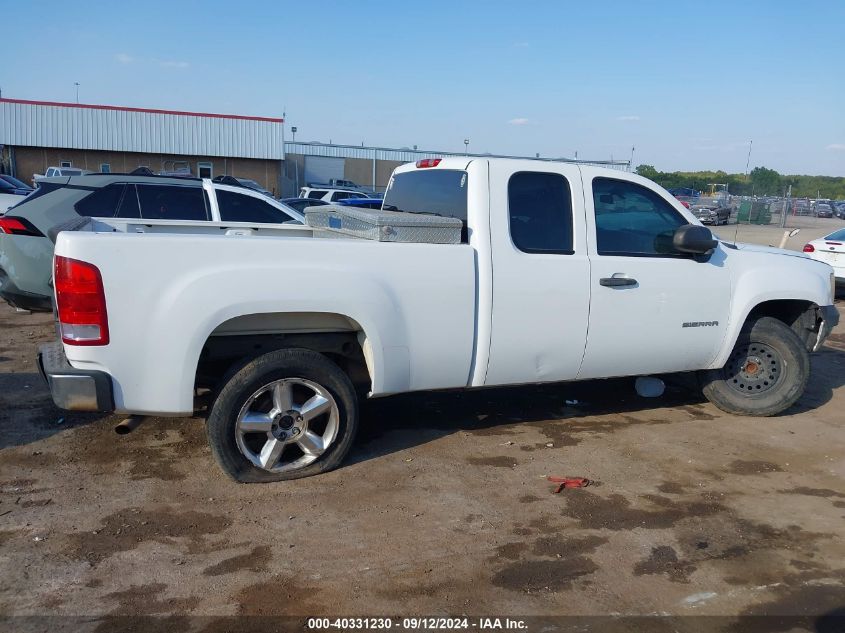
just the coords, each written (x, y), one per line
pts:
(760, 182)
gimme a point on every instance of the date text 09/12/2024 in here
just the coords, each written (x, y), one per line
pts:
(416, 624)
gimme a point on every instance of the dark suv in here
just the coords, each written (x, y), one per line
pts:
(28, 230)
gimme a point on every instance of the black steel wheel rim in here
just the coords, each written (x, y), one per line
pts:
(754, 368)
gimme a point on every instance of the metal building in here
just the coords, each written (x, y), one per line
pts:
(36, 135)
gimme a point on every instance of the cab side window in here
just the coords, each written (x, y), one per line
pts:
(540, 212)
(633, 220)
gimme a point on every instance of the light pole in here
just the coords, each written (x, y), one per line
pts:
(76, 83)
(631, 164)
(466, 147)
(293, 133)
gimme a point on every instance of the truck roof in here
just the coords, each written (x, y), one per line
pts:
(461, 162)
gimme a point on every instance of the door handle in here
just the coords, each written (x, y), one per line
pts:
(616, 282)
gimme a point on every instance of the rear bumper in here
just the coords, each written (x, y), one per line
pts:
(74, 389)
(26, 301)
(829, 316)
(18, 298)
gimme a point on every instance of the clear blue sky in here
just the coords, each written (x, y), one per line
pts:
(687, 83)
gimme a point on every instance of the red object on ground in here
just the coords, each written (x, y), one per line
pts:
(569, 482)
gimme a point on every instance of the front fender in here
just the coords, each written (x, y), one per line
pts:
(766, 277)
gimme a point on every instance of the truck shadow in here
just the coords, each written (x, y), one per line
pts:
(396, 423)
(827, 374)
(27, 413)
(400, 422)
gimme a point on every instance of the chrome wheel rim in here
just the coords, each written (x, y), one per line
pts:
(287, 424)
(754, 368)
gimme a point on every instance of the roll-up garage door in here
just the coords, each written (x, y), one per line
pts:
(322, 168)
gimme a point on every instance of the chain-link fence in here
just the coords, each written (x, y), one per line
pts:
(789, 212)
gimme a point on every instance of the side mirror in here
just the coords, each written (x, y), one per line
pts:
(694, 239)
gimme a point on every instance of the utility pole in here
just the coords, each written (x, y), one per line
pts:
(466, 147)
(748, 160)
(785, 207)
(76, 83)
(631, 164)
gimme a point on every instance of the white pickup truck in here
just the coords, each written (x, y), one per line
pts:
(564, 272)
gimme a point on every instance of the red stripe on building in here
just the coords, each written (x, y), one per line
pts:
(147, 110)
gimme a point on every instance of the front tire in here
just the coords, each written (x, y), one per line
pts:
(287, 414)
(765, 374)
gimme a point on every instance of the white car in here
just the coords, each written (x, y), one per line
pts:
(331, 195)
(830, 249)
(553, 272)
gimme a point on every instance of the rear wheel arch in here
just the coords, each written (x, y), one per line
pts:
(236, 342)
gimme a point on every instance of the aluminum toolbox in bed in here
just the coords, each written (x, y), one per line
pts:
(384, 226)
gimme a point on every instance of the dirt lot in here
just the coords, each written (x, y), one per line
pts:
(443, 508)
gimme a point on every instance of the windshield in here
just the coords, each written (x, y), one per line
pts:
(434, 191)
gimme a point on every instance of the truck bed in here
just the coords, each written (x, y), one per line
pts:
(169, 286)
(190, 227)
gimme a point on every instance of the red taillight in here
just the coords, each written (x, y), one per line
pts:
(429, 162)
(81, 302)
(808, 248)
(685, 203)
(18, 226)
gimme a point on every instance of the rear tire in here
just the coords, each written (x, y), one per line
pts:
(287, 414)
(765, 374)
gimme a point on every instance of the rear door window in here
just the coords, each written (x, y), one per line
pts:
(316, 193)
(102, 203)
(236, 207)
(540, 211)
(435, 191)
(165, 202)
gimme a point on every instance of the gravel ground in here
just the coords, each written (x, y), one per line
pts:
(442, 508)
